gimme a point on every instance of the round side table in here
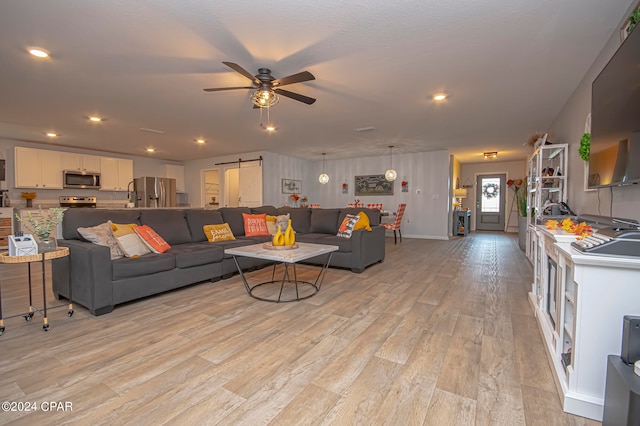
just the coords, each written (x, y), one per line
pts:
(28, 259)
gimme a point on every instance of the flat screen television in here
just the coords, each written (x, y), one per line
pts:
(615, 119)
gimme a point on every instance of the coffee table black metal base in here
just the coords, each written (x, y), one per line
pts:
(289, 278)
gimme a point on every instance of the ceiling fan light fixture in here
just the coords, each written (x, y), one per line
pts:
(264, 98)
(390, 174)
(324, 177)
(490, 155)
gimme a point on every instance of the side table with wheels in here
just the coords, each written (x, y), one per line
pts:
(28, 259)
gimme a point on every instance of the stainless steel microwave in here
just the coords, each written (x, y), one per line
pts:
(82, 180)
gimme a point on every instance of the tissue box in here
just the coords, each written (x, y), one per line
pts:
(22, 246)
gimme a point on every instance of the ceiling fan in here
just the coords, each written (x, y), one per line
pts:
(267, 86)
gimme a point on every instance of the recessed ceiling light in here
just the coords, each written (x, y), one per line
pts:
(201, 141)
(270, 129)
(151, 150)
(52, 134)
(439, 96)
(95, 119)
(39, 53)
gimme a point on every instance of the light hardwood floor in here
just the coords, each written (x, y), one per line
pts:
(441, 333)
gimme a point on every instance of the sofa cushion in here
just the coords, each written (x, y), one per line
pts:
(85, 218)
(300, 218)
(197, 219)
(255, 225)
(103, 236)
(324, 221)
(169, 224)
(218, 232)
(195, 254)
(233, 216)
(270, 210)
(146, 265)
(344, 244)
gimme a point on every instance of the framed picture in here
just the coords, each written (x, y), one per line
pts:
(291, 186)
(373, 185)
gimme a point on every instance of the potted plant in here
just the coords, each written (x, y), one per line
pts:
(43, 224)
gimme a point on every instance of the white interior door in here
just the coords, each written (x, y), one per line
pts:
(250, 185)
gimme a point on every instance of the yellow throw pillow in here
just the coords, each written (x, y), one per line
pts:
(220, 232)
(363, 222)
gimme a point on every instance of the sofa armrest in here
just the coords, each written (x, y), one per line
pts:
(367, 247)
(88, 270)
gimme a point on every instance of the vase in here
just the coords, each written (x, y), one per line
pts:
(522, 232)
(47, 244)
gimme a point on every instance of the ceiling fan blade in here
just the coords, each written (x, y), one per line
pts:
(294, 78)
(242, 71)
(218, 89)
(296, 96)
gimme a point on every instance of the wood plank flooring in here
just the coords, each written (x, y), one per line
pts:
(441, 333)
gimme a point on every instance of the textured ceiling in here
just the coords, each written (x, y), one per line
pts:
(508, 66)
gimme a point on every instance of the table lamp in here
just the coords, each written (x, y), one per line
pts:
(460, 193)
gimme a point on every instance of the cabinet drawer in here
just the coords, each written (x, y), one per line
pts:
(5, 231)
(6, 222)
(4, 242)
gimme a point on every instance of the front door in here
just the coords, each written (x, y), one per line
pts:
(490, 202)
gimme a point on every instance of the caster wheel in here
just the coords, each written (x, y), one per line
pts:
(28, 316)
(45, 327)
(70, 313)
(1, 331)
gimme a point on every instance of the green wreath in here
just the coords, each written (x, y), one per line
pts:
(490, 190)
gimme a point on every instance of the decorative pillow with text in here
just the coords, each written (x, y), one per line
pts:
(346, 227)
(219, 232)
(255, 225)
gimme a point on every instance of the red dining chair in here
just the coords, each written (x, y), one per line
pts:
(395, 225)
(375, 206)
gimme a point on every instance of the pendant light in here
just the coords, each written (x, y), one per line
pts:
(323, 178)
(390, 174)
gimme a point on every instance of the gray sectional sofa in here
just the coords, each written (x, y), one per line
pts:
(99, 283)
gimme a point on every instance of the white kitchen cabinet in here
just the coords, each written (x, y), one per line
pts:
(175, 172)
(37, 168)
(115, 173)
(80, 162)
(579, 301)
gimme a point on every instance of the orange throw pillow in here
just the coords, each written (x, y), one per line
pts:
(255, 225)
(155, 242)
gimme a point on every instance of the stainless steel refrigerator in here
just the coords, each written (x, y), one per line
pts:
(155, 191)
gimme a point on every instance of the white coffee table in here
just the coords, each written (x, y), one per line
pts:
(286, 258)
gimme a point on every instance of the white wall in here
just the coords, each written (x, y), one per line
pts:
(427, 213)
(568, 127)
(513, 169)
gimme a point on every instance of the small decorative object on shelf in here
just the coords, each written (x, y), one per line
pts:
(42, 225)
(294, 198)
(29, 197)
(345, 188)
(303, 201)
